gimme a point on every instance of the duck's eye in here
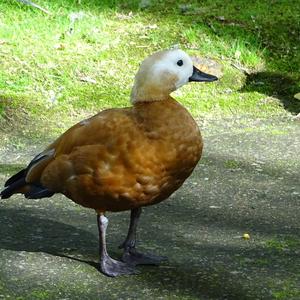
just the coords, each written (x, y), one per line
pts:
(180, 63)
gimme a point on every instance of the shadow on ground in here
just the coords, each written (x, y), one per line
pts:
(195, 270)
(274, 85)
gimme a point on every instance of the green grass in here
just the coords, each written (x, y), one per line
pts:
(232, 164)
(40, 60)
(287, 243)
(289, 290)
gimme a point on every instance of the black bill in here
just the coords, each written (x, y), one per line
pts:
(201, 76)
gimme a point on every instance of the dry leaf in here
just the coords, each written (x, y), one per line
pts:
(87, 79)
(121, 16)
(59, 46)
(237, 54)
(297, 118)
(297, 96)
(214, 206)
(221, 18)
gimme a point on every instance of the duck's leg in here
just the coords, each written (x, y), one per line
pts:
(109, 266)
(130, 254)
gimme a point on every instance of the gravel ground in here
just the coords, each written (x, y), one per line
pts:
(247, 182)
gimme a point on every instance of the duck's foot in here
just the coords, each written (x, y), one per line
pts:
(113, 268)
(132, 257)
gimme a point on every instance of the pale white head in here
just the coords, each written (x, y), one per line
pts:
(162, 73)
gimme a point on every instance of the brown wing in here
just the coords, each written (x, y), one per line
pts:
(105, 129)
(103, 162)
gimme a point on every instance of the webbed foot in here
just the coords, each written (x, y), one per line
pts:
(113, 268)
(132, 257)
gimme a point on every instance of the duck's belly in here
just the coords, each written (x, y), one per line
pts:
(123, 195)
(144, 179)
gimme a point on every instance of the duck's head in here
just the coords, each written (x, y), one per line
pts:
(162, 73)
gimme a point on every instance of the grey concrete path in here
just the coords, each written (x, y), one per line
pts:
(247, 182)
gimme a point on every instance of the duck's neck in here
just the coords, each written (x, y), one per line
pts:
(138, 95)
(151, 91)
(164, 117)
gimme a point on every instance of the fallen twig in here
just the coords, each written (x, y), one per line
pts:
(241, 68)
(34, 5)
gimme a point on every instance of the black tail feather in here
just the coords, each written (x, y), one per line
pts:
(16, 177)
(34, 190)
(37, 192)
(17, 181)
(6, 193)
(9, 190)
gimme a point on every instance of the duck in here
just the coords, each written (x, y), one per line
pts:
(123, 158)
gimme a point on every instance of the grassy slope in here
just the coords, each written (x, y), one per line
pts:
(40, 60)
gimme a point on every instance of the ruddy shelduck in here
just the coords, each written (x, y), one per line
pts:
(123, 158)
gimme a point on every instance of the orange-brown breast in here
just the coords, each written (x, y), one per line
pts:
(125, 158)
